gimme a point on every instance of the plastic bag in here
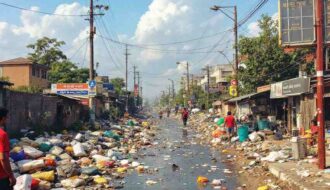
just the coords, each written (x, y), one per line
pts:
(45, 147)
(56, 150)
(221, 121)
(27, 165)
(49, 162)
(100, 180)
(99, 158)
(17, 156)
(90, 170)
(47, 176)
(23, 182)
(32, 152)
(72, 182)
(78, 150)
(202, 179)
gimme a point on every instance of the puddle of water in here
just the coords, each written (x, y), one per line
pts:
(180, 163)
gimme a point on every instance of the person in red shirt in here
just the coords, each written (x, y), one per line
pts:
(230, 124)
(185, 116)
(7, 179)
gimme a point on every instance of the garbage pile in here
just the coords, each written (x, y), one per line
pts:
(93, 159)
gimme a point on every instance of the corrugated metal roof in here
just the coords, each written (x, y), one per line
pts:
(244, 97)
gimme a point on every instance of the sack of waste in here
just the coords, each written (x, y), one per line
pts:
(72, 182)
(32, 152)
(27, 165)
(46, 176)
(78, 150)
(23, 182)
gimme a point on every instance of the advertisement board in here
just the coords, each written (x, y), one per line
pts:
(296, 21)
(73, 89)
(292, 87)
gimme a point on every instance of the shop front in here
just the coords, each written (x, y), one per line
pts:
(291, 100)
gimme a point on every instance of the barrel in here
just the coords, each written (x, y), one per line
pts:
(262, 124)
(243, 133)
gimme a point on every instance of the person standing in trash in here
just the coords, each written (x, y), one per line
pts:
(176, 109)
(185, 116)
(7, 179)
(168, 111)
(230, 124)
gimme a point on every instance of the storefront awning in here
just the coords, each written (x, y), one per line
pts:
(244, 97)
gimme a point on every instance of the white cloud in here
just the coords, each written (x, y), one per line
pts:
(164, 21)
(254, 29)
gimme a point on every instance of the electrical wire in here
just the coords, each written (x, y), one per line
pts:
(79, 48)
(41, 12)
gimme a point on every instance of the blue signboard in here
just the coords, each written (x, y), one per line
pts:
(108, 86)
(92, 83)
(73, 92)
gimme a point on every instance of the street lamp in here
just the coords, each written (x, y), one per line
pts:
(229, 62)
(234, 18)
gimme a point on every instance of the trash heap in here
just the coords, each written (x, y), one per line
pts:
(89, 159)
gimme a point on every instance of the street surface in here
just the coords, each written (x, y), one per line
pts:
(178, 146)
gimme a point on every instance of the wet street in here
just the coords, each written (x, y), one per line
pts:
(179, 160)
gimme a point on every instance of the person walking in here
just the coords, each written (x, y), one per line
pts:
(7, 179)
(160, 114)
(168, 111)
(185, 116)
(230, 124)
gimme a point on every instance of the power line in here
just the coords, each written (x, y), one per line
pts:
(41, 12)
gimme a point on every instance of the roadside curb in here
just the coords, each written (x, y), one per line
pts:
(285, 172)
(281, 174)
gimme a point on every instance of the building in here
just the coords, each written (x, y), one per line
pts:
(219, 75)
(23, 72)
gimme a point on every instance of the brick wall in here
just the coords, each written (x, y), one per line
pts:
(39, 110)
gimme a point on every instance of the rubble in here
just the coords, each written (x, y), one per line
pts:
(85, 158)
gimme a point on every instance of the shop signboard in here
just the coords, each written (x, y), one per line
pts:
(296, 86)
(233, 91)
(73, 89)
(263, 88)
(292, 87)
(136, 90)
(296, 21)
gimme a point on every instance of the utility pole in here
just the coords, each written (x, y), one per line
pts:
(134, 85)
(320, 82)
(126, 77)
(91, 58)
(236, 41)
(207, 69)
(138, 83)
(219, 8)
(188, 81)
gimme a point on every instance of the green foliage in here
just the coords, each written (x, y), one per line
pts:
(28, 89)
(118, 84)
(266, 62)
(67, 72)
(47, 52)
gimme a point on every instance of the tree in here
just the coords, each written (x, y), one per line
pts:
(265, 61)
(118, 84)
(47, 51)
(67, 72)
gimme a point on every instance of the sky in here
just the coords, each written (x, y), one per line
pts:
(159, 33)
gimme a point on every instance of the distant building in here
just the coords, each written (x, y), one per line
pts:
(219, 75)
(23, 72)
